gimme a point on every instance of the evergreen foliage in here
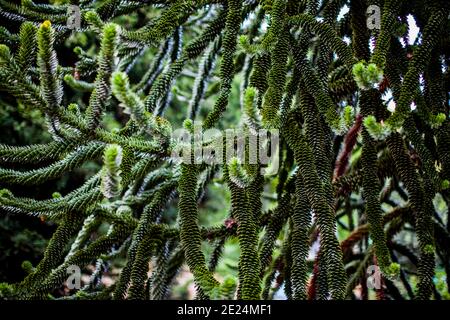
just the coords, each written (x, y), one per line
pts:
(357, 185)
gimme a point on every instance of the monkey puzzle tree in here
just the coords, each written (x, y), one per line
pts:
(360, 185)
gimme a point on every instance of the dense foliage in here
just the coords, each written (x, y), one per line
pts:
(363, 159)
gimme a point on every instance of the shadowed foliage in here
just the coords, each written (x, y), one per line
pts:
(358, 183)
